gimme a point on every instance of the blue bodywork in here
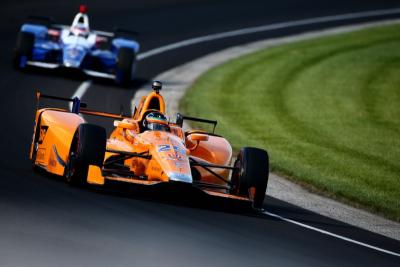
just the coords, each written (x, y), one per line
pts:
(87, 56)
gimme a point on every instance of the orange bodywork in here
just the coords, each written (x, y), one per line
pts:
(167, 155)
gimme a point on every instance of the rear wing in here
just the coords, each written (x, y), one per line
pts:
(50, 23)
(102, 33)
(121, 32)
(118, 32)
(79, 107)
(42, 20)
(180, 118)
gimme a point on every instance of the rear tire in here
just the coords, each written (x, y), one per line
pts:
(251, 177)
(125, 62)
(23, 49)
(87, 148)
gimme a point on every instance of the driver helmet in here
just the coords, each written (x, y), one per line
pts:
(80, 29)
(155, 121)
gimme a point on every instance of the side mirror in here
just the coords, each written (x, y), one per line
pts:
(198, 137)
(125, 125)
(194, 140)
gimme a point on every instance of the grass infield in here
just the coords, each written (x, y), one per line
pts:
(327, 110)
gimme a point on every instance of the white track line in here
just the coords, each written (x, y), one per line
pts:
(83, 88)
(331, 234)
(263, 28)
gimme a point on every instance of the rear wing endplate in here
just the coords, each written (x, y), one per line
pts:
(79, 107)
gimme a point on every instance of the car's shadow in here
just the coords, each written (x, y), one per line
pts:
(175, 194)
(181, 195)
(78, 75)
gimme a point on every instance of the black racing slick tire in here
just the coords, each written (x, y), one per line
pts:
(125, 63)
(87, 148)
(35, 146)
(23, 49)
(250, 179)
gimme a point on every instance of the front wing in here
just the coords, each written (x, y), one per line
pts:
(48, 65)
(96, 177)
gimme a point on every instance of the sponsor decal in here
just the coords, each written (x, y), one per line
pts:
(155, 169)
(162, 148)
(52, 162)
(58, 157)
(179, 152)
(42, 134)
(73, 52)
(169, 157)
(179, 164)
(179, 149)
(40, 154)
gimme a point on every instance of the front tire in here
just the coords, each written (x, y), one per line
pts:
(125, 64)
(35, 145)
(23, 49)
(87, 148)
(251, 177)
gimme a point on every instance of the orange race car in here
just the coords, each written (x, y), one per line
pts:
(145, 149)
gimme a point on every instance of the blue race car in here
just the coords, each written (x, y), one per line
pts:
(96, 53)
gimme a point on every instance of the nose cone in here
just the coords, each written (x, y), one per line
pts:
(174, 161)
(180, 177)
(73, 56)
(170, 154)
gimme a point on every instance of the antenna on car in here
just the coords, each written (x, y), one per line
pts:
(156, 86)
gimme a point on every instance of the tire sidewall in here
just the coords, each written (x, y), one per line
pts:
(252, 174)
(87, 148)
(126, 59)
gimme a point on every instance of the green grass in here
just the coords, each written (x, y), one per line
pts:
(327, 110)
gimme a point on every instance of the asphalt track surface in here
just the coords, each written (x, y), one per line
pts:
(44, 222)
